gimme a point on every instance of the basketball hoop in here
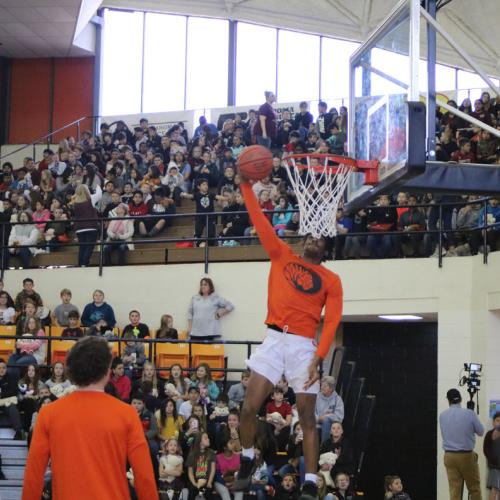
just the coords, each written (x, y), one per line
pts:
(319, 182)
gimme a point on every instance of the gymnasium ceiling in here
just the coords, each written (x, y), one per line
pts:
(42, 28)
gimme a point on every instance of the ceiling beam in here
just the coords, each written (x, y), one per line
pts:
(345, 11)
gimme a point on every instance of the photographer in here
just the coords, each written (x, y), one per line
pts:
(459, 427)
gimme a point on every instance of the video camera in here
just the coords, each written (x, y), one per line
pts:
(472, 380)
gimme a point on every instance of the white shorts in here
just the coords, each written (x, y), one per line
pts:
(285, 354)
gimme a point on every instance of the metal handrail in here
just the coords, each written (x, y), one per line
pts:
(42, 140)
(211, 215)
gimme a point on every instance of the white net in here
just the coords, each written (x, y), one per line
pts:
(319, 189)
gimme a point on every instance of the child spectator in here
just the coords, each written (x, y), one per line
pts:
(324, 492)
(7, 313)
(186, 407)
(294, 451)
(119, 380)
(29, 387)
(220, 412)
(464, 154)
(170, 471)
(138, 329)
(28, 292)
(158, 208)
(120, 232)
(200, 413)
(29, 310)
(174, 180)
(98, 309)
(237, 392)
(203, 375)
(260, 477)
(58, 383)
(168, 421)
(342, 486)
(29, 348)
(56, 230)
(227, 180)
(40, 215)
(151, 386)
(149, 425)
(8, 399)
(342, 447)
(137, 208)
(380, 219)
(73, 330)
(227, 464)
(279, 415)
(133, 356)
(287, 490)
(280, 215)
(394, 489)
(166, 330)
(177, 385)
(288, 393)
(60, 315)
(201, 468)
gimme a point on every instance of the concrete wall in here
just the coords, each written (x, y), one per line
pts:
(465, 295)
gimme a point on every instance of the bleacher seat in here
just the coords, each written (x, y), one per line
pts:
(7, 330)
(167, 354)
(7, 347)
(212, 355)
(56, 331)
(59, 350)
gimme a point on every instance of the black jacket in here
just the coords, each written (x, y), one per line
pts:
(8, 386)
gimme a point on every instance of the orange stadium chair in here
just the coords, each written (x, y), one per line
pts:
(183, 334)
(114, 348)
(212, 355)
(7, 347)
(6, 330)
(56, 331)
(167, 354)
(59, 349)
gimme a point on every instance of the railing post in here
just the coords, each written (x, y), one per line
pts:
(78, 131)
(485, 233)
(101, 256)
(440, 236)
(207, 222)
(3, 250)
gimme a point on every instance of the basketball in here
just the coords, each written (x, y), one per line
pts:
(255, 162)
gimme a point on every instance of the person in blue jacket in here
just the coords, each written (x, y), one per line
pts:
(97, 310)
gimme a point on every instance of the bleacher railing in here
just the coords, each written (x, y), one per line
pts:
(440, 233)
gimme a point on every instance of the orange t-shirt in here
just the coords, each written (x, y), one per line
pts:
(297, 290)
(89, 437)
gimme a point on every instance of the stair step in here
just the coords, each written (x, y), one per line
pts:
(12, 442)
(10, 452)
(12, 493)
(13, 472)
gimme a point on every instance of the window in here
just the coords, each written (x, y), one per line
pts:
(122, 62)
(298, 67)
(207, 63)
(255, 63)
(445, 77)
(335, 56)
(164, 63)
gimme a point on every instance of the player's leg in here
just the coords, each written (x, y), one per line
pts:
(259, 388)
(306, 404)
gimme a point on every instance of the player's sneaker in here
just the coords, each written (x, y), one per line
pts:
(244, 476)
(309, 489)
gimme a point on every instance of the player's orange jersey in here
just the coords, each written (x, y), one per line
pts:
(297, 290)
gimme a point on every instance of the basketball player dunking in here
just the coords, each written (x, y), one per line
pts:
(298, 288)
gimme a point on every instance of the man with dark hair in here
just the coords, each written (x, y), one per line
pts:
(459, 427)
(265, 128)
(27, 292)
(89, 436)
(120, 380)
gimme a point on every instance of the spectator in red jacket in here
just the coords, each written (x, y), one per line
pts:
(119, 380)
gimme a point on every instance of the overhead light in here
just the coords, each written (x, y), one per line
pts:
(400, 317)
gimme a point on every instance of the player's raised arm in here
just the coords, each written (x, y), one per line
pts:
(333, 314)
(270, 241)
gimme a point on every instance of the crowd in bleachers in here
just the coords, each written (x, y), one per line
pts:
(123, 172)
(190, 417)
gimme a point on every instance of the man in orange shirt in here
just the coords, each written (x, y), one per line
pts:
(298, 289)
(89, 437)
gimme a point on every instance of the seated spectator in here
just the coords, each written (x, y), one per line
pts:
(110, 210)
(161, 206)
(29, 348)
(138, 329)
(203, 375)
(60, 315)
(23, 239)
(237, 392)
(342, 447)
(40, 215)
(175, 182)
(8, 399)
(190, 429)
(7, 313)
(288, 392)
(177, 387)
(58, 383)
(394, 489)
(151, 386)
(265, 184)
(329, 407)
(287, 489)
(381, 218)
(73, 330)
(171, 471)
(166, 330)
(56, 230)
(486, 148)
(324, 492)
(205, 311)
(227, 180)
(137, 208)
(27, 312)
(186, 407)
(337, 139)
(281, 215)
(467, 224)
(489, 217)
(201, 468)
(133, 356)
(464, 154)
(168, 421)
(10, 302)
(342, 489)
(260, 476)
(120, 234)
(119, 380)
(148, 422)
(412, 220)
(279, 415)
(29, 387)
(98, 309)
(303, 119)
(344, 227)
(235, 225)
(295, 453)
(227, 464)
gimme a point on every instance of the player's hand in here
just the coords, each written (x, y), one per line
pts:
(313, 372)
